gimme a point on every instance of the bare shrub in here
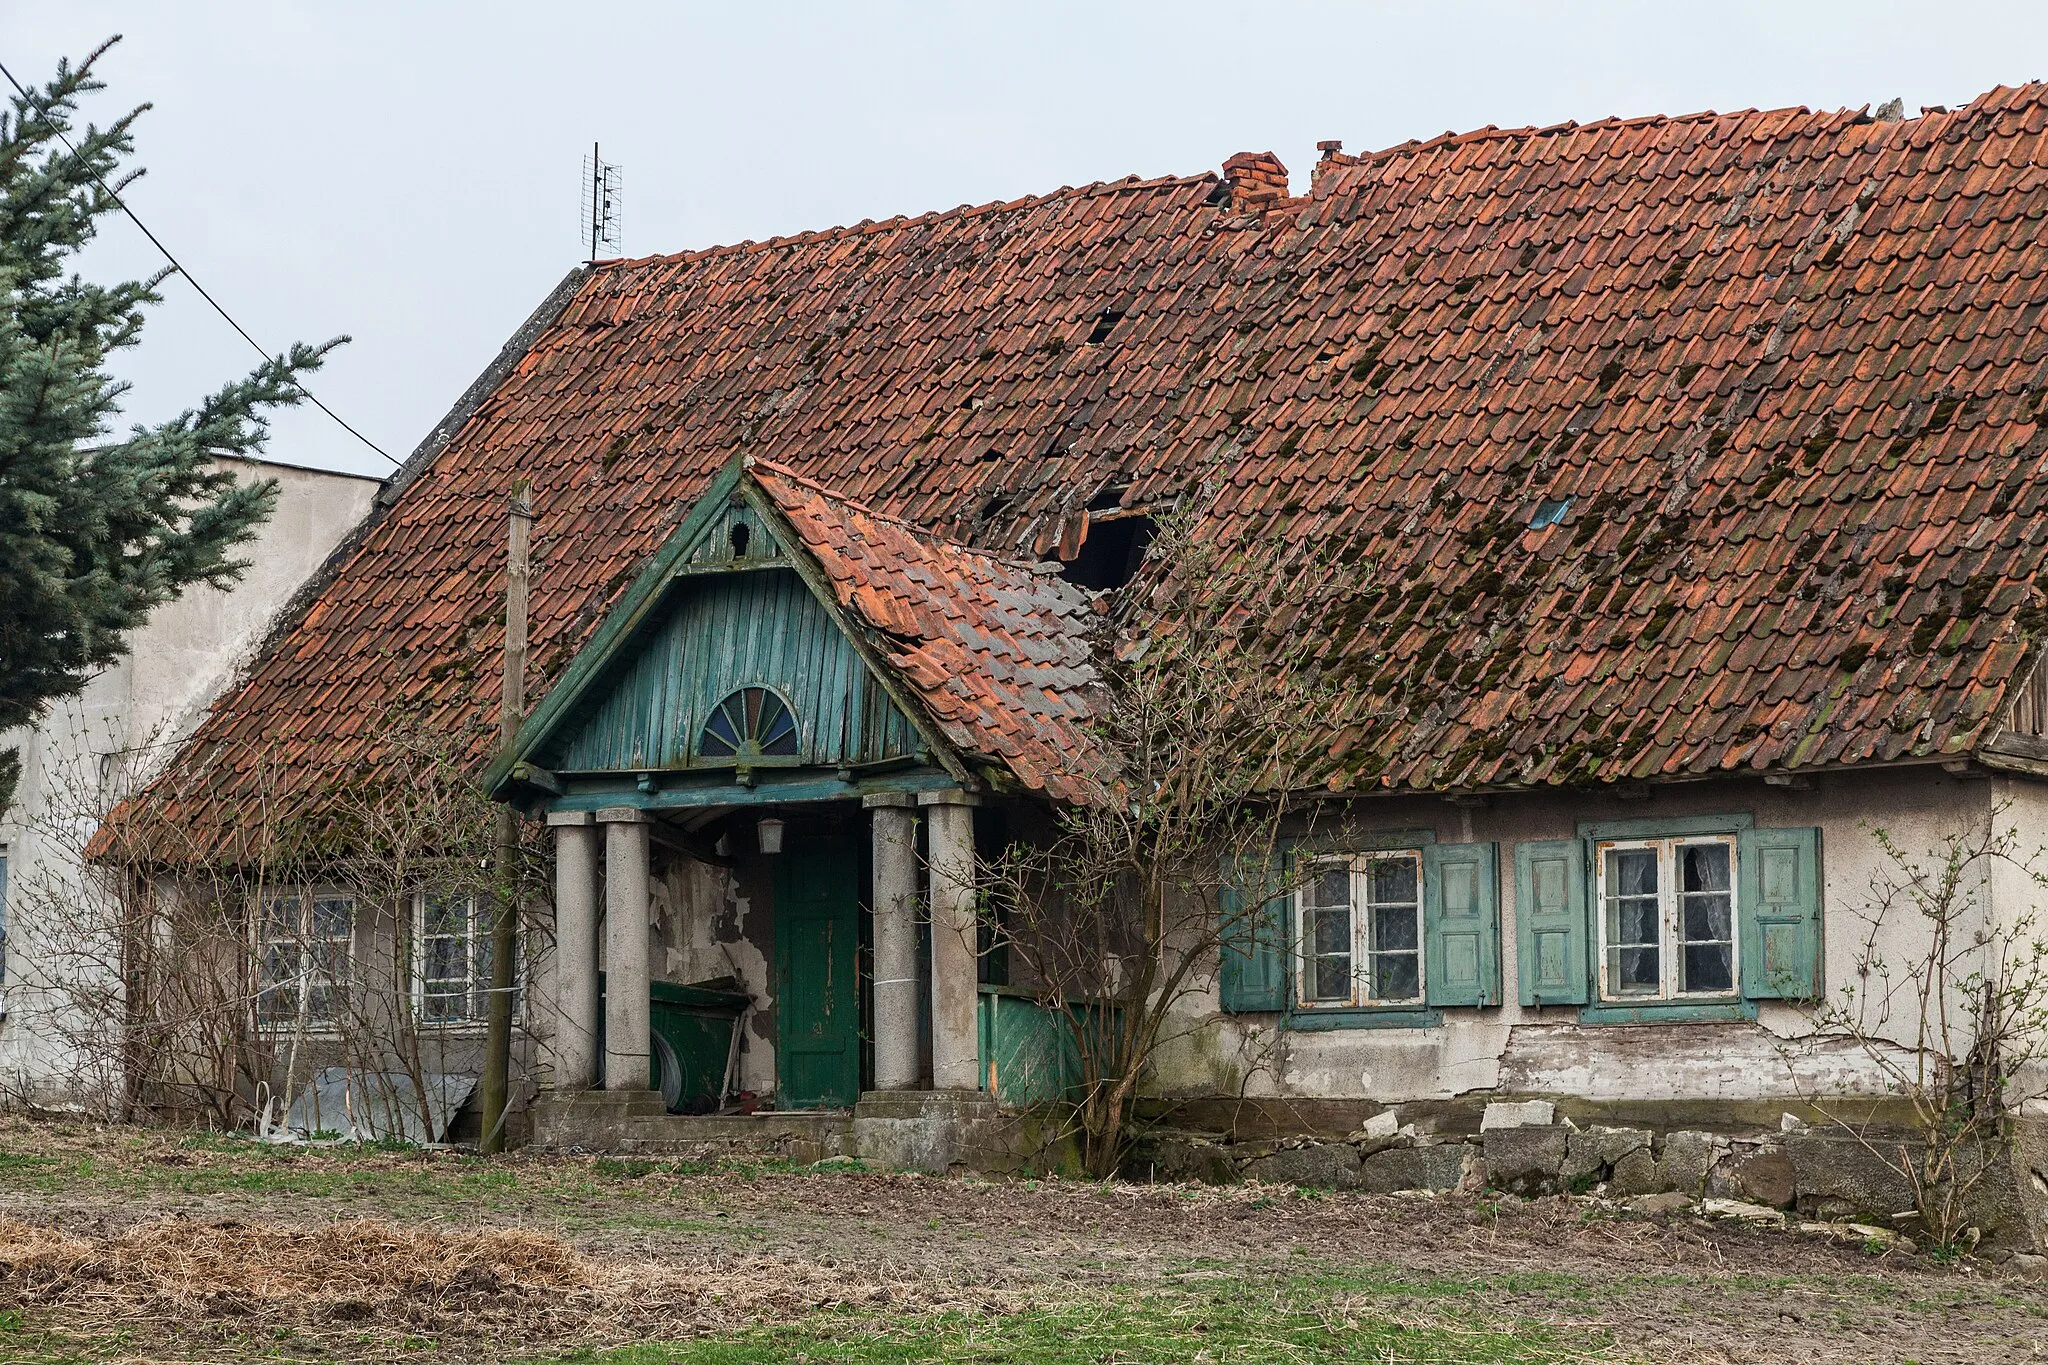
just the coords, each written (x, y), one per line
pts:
(1953, 1013)
(1119, 911)
(184, 982)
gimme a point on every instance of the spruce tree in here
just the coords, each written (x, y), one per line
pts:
(97, 529)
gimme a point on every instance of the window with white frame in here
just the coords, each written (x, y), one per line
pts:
(1667, 919)
(304, 944)
(452, 937)
(1358, 924)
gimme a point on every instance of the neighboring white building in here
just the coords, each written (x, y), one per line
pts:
(128, 721)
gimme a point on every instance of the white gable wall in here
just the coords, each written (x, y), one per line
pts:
(121, 729)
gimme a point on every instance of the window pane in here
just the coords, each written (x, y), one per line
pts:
(1634, 922)
(1635, 971)
(447, 959)
(281, 917)
(1709, 967)
(1330, 978)
(1332, 886)
(721, 736)
(1632, 872)
(1394, 929)
(1396, 976)
(333, 917)
(1707, 918)
(1705, 867)
(1330, 931)
(1391, 880)
(280, 963)
(447, 915)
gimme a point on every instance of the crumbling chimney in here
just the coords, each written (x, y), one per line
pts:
(1255, 180)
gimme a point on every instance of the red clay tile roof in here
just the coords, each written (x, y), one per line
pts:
(1787, 367)
(996, 648)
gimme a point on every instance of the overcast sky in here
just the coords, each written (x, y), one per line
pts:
(407, 173)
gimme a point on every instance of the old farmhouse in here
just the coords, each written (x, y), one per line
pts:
(1697, 465)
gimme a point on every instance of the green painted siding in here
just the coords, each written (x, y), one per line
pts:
(724, 631)
(718, 543)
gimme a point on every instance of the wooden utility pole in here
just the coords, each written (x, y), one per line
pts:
(496, 1082)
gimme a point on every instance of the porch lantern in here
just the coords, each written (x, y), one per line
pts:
(769, 832)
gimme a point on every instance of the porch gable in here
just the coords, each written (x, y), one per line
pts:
(726, 674)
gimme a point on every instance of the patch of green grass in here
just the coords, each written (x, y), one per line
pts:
(1228, 1319)
(21, 1344)
(22, 1171)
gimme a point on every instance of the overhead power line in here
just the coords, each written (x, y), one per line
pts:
(179, 266)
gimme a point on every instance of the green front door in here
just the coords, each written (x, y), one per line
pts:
(817, 946)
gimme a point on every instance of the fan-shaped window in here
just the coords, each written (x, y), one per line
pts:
(751, 723)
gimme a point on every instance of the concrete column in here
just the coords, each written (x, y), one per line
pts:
(949, 836)
(893, 817)
(626, 910)
(575, 1041)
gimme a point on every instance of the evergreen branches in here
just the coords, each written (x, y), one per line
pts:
(98, 530)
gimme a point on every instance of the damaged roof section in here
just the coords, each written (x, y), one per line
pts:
(996, 649)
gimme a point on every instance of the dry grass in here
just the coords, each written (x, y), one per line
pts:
(371, 1278)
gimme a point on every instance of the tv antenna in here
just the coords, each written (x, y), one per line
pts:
(603, 208)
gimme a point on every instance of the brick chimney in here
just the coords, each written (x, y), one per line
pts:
(1255, 180)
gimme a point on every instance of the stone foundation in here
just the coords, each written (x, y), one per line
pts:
(1523, 1148)
(937, 1131)
(635, 1123)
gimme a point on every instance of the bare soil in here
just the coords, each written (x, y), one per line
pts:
(193, 1250)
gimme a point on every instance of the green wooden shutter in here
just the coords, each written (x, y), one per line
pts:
(1254, 973)
(1778, 902)
(1552, 923)
(1461, 923)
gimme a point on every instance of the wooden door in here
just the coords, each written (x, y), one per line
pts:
(817, 951)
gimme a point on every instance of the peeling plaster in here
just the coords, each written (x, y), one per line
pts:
(705, 928)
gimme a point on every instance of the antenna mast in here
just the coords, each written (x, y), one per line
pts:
(603, 208)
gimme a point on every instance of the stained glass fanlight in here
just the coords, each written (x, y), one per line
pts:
(751, 723)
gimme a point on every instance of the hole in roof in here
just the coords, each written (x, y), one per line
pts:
(1549, 512)
(741, 533)
(1111, 554)
(1108, 499)
(994, 506)
(1105, 323)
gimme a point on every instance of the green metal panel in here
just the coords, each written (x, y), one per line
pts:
(1779, 903)
(1551, 923)
(1029, 1054)
(696, 1025)
(718, 633)
(1461, 919)
(1027, 1049)
(817, 997)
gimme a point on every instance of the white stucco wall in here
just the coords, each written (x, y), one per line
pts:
(1548, 1051)
(122, 728)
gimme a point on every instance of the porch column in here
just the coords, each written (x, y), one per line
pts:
(626, 909)
(893, 816)
(575, 1041)
(949, 835)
